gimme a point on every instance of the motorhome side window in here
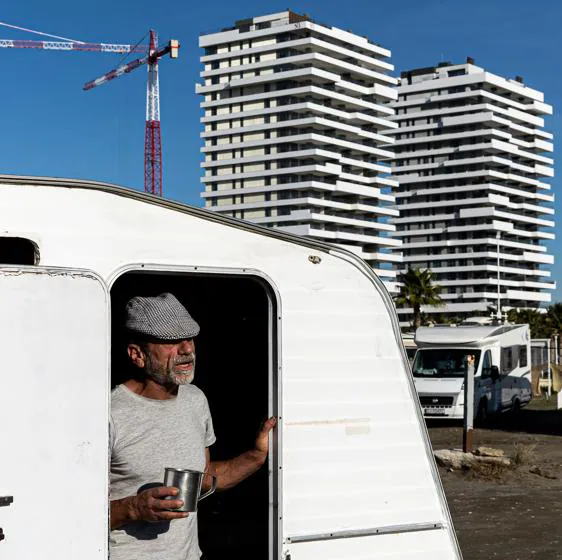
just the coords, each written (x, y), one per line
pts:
(522, 356)
(509, 358)
(487, 364)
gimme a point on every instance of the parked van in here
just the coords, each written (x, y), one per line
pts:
(289, 327)
(500, 354)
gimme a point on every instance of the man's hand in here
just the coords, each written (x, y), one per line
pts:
(148, 506)
(262, 439)
(233, 471)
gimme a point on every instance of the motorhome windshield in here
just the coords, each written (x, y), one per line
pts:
(444, 362)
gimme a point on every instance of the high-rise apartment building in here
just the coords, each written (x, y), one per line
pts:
(293, 111)
(474, 205)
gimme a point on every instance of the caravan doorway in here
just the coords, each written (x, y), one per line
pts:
(236, 369)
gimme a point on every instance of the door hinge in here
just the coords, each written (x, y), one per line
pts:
(6, 500)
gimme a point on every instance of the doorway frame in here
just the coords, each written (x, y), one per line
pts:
(275, 400)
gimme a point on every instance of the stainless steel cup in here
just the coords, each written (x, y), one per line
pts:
(188, 483)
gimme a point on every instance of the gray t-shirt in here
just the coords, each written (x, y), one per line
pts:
(146, 436)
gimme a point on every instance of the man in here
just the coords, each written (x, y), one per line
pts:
(159, 420)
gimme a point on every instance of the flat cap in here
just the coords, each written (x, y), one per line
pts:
(162, 317)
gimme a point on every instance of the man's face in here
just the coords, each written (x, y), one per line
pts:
(170, 363)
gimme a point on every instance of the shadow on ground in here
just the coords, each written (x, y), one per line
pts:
(529, 420)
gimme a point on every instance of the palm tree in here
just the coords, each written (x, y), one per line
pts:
(537, 321)
(418, 289)
(554, 317)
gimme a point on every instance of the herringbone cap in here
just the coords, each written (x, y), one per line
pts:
(162, 317)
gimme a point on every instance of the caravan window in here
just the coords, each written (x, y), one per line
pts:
(18, 251)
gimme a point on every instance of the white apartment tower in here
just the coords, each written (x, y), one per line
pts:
(293, 113)
(474, 205)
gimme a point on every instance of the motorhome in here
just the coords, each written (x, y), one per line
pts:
(500, 355)
(290, 327)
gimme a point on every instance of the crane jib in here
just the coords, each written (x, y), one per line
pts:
(72, 46)
(125, 69)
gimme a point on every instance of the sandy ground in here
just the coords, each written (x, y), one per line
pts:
(510, 513)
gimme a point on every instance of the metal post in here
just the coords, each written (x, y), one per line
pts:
(549, 369)
(499, 314)
(468, 422)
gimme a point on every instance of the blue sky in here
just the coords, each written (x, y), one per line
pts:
(51, 127)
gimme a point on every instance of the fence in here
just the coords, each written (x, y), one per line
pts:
(541, 371)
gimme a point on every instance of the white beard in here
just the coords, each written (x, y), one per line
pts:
(183, 378)
(169, 376)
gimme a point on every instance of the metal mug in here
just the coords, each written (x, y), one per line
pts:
(188, 483)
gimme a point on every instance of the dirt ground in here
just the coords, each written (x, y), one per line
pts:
(510, 513)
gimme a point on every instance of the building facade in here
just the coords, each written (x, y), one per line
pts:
(293, 113)
(475, 207)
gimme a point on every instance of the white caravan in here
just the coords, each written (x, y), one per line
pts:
(501, 356)
(289, 327)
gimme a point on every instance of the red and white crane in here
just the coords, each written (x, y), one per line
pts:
(153, 140)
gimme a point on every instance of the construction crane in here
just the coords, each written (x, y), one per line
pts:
(153, 139)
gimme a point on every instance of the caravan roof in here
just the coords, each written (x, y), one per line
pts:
(462, 335)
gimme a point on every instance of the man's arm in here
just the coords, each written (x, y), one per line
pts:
(147, 506)
(232, 472)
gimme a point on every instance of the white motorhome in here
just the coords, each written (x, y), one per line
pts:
(290, 327)
(500, 354)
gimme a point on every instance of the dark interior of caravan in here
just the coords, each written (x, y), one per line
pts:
(233, 363)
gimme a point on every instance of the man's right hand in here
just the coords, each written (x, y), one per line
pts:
(149, 506)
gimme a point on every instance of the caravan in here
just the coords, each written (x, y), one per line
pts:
(500, 354)
(289, 327)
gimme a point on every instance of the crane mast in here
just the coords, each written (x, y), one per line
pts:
(153, 137)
